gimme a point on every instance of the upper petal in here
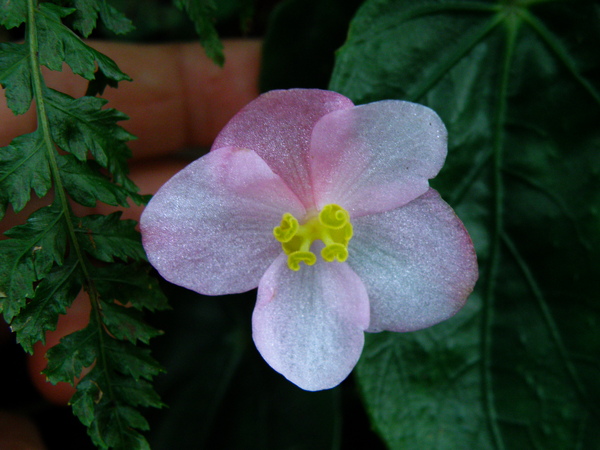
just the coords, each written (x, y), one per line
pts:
(209, 228)
(376, 157)
(309, 325)
(417, 262)
(277, 126)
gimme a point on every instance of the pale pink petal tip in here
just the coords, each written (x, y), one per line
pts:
(209, 228)
(376, 157)
(309, 325)
(417, 262)
(278, 127)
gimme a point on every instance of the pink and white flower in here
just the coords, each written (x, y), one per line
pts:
(257, 210)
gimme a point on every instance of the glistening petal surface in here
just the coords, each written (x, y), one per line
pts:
(417, 262)
(278, 126)
(376, 157)
(210, 227)
(309, 325)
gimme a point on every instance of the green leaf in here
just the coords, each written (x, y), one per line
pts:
(115, 426)
(107, 237)
(80, 126)
(86, 16)
(23, 166)
(15, 76)
(130, 284)
(75, 351)
(127, 359)
(202, 13)
(115, 385)
(45, 263)
(127, 323)
(84, 400)
(12, 13)
(87, 185)
(52, 297)
(58, 44)
(137, 392)
(114, 20)
(516, 84)
(28, 256)
(111, 419)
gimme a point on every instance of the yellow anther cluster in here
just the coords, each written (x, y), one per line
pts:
(332, 226)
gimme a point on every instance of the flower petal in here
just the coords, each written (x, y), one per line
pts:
(277, 126)
(309, 325)
(209, 228)
(417, 262)
(376, 157)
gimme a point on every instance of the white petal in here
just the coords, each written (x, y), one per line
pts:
(309, 325)
(376, 157)
(417, 262)
(210, 227)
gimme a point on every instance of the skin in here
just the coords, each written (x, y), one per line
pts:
(179, 99)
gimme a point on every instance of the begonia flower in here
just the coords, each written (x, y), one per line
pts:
(326, 208)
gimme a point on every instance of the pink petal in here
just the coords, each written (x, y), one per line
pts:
(417, 262)
(277, 126)
(210, 227)
(376, 157)
(309, 325)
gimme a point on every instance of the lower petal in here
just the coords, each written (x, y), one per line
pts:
(417, 263)
(309, 325)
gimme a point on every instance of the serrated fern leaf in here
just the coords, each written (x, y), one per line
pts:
(46, 262)
(86, 184)
(52, 297)
(12, 13)
(135, 286)
(81, 125)
(30, 254)
(202, 13)
(108, 237)
(15, 76)
(58, 44)
(23, 166)
(107, 398)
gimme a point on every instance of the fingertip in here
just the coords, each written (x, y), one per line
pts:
(215, 94)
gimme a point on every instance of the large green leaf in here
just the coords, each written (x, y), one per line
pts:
(517, 84)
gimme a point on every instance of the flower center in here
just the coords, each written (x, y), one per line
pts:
(332, 226)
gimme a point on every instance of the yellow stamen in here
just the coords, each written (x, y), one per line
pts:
(332, 226)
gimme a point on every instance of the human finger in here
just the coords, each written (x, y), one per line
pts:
(178, 96)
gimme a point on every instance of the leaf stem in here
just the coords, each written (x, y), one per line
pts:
(512, 25)
(561, 54)
(44, 125)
